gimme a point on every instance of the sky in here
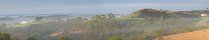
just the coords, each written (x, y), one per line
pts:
(95, 6)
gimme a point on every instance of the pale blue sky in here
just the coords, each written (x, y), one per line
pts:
(95, 6)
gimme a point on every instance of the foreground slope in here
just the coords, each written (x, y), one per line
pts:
(196, 35)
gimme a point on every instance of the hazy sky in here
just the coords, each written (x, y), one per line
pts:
(95, 6)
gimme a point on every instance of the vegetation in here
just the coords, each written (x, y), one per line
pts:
(146, 24)
(64, 38)
(4, 36)
(152, 13)
(38, 18)
(114, 38)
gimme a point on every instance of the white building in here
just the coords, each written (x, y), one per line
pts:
(24, 22)
(203, 15)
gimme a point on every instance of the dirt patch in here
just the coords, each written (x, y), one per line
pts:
(196, 35)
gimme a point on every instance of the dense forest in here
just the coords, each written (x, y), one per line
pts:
(145, 24)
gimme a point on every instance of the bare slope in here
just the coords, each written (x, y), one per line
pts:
(196, 35)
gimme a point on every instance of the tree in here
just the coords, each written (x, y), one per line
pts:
(38, 18)
(33, 36)
(4, 24)
(4, 36)
(110, 15)
(64, 38)
(142, 36)
(85, 19)
(15, 38)
(114, 38)
(79, 18)
(99, 17)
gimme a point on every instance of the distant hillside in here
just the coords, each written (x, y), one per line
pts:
(153, 13)
(6, 18)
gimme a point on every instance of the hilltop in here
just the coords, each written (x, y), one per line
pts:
(153, 13)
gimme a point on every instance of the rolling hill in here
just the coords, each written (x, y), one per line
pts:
(153, 13)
